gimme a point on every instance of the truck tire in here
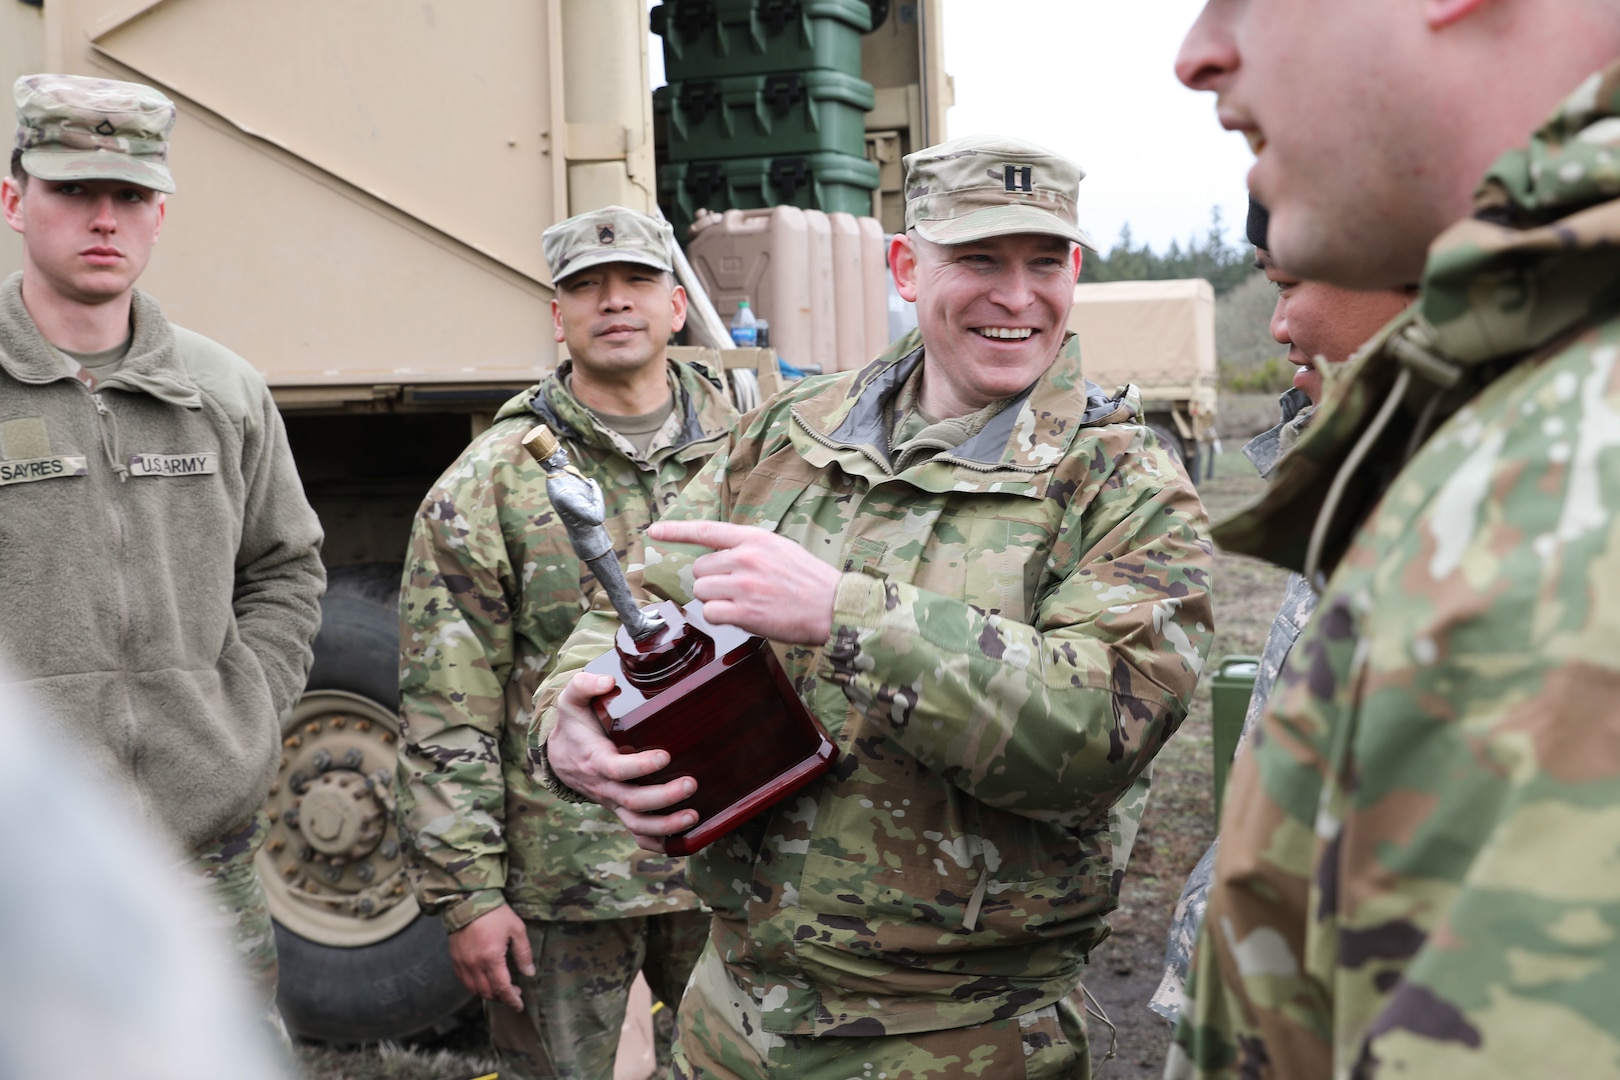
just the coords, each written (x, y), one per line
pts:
(358, 962)
(392, 990)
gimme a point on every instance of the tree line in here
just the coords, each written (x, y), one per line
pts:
(1224, 265)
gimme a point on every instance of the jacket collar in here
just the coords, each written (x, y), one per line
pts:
(1268, 447)
(1534, 263)
(845, 421)
(705, 413)
(152, 367)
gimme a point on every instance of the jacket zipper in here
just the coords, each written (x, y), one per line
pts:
(107, 427)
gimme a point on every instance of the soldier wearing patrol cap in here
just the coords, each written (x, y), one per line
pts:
(160, 564)
(551, 907)
(991, 584)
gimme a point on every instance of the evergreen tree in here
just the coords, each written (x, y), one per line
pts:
(1224, 265)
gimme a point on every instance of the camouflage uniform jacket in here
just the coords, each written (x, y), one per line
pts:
(1299, 601)
(1416, 876)
(492, 587)
(1018, 629)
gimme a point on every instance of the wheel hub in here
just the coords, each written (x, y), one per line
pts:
(341, 815)
(331, 865)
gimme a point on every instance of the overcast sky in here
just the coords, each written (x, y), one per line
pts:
(1093, 80)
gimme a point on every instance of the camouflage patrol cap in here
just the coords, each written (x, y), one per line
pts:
(984, 185)
(73, 127)
(611, 234)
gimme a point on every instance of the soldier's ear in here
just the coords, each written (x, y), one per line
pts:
(556, 322)
(903, 265)
(11, 202)
(677, 300)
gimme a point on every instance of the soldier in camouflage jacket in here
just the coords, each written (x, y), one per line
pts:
(1017, 611)
(1321, 324)
(1415, 876)
(492, 588)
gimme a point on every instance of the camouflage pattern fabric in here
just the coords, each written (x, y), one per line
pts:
(1415, 876)
(491, 589)
(74, 127)
(240, 916)
(722, 1038)
(573, 1006)
(1018, 629)
(989, 185)
(1299, 602)
(613, 234)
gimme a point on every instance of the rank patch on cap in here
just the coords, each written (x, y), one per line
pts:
(1018, 177)
(605, 235)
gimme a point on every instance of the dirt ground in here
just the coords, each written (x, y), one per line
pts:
(1178, 825)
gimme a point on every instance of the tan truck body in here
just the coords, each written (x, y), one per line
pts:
(1159, 335)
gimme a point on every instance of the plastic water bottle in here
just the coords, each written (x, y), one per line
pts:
(744, 327)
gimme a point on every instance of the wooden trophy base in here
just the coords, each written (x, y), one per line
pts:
(718, 701)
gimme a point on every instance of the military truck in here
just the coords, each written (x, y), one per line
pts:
(362, 190)
(1159, 335)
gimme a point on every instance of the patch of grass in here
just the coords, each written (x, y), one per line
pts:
(390, 1061)
(1272, 375)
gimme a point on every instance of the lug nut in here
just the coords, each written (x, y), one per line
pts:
(313, 727)
(334, 873)
(292, 742)
(353, 759)
(306, 853)
(362, 725)
(298, 782)
(277, 845)
(389, 850)
(340, 722)
(289, 872)
(290, 818)
(366, 906)
(365, 872)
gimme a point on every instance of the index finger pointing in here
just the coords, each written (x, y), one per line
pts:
(718, 535)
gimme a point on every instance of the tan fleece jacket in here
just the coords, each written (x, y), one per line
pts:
(159, 565)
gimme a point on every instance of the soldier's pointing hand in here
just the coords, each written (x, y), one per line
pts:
(757, 581)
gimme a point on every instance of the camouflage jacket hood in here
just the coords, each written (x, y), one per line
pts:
(1535, 263)
(700, 404)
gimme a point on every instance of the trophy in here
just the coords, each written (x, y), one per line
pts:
(716, 698)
